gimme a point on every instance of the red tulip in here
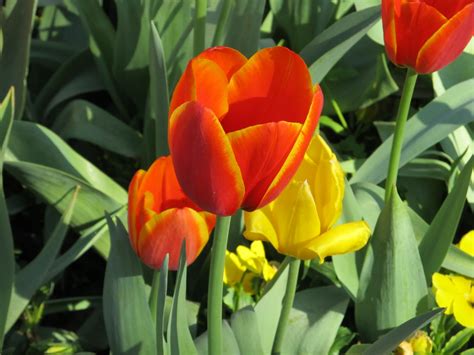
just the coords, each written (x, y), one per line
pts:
(160, 217)
(239, 128)
(426, 35)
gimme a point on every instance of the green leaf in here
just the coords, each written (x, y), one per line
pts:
(37, 144)
(457, 341)
(158, 302)
(314, 320)
(344, 337)
(33, 275)
(458, 261)
(156, 119)
(15, 29)
(268, 310)
(392, 339)
(244, 324)
(440, 235)
(179, 337)
(392, 284)
(76, 76)
(458, 71)
(427, 127)
(302, 20)
(50, 54)
(85, 121)
(324, 51)
(7, 271)
(231, 347)
(128, 322)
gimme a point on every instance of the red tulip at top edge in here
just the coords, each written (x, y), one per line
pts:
(160, 217)
(239, 127)
(426, 35)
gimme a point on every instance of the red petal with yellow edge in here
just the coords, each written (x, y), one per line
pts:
(447, 43)
(297, 152)
(228, 59)
(415, 25)
(203, 81)
(133, 200)
(165, 233)
(260, 152)
(448, 8)
(274, 85)
(204, 162)
(389, 28)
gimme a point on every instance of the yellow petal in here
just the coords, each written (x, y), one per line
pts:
(233, 269)
(461, 284)
(257, 248)
(259, 227)
(250, 260)
(268, 272)
(342, 239)
(249, 282)
(463, 311)
(467, 243)
(444, 291)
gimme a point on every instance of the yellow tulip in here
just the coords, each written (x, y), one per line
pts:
(300, 222)
(456, 294)
(467, 243)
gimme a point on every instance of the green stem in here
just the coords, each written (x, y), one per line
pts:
(335, 106)
(402, 115)
(287, 304)
(200, 26)
(219, 36)
(216, 276)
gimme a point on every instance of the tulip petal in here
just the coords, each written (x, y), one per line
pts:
(298, 150)
(203, 81)
(133, 198)
(446, 44)
(259, 226)
(165, 232)
(448, 8)
(274, 85)
(425, 19)
(204, 162)
(345, 238)
(260, 152)
(389, 29)
(228, 59)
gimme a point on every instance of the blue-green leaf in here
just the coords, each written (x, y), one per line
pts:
(244, 324)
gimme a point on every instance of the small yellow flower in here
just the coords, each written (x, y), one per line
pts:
(456, 294)
(233, 269)
(421, 343)
(467, 243)
(300, 222)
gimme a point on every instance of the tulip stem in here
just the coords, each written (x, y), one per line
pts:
(402, 115)
(200, 26)
(287, 305)
(216, 276)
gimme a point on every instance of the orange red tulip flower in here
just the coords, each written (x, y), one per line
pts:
(426, 35)
(239, 127)
(160, 217)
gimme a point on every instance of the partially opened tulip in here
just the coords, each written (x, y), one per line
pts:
(426, 35)
(160, 217)
(300, 222)
(239, 127)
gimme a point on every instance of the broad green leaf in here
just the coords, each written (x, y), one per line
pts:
(128, 322)
(244, 324)
(427, 127)
(458, 261)
(85, 121)
(314, 320)
(268, 310)
(302, 20)
(15, 31)
(243, 26)
(344, 337)
(37, 144)
(437, 240)
(392, 284)
(157, 306)
(360, 79)
(458, 71)
(50, 54)
(179, 337)
(101, 45)
(33, 275)
(76, 76)
(376, 32)
(231, 346)
(427, 168)
(324, 51)
(7, 271)
(53, 185)
(156, 119)
(393, 338)
(457, 341)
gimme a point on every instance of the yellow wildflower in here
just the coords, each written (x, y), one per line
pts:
(233, 269)
(467, 243)
(300, 222)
